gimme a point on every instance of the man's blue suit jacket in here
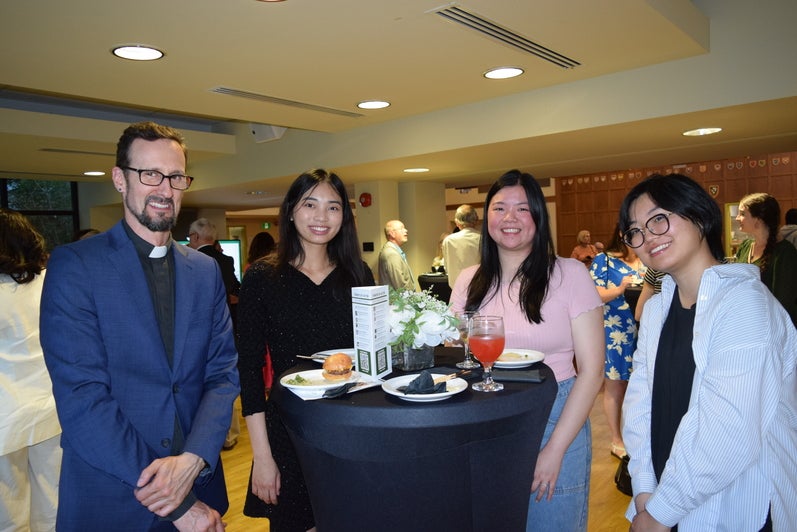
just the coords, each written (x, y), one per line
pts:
(115, 393)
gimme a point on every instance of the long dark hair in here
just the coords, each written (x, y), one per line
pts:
(22, 250)
(616, 244)
(535, 271)
(262, 245)
(766, 208)
(343, 250)
(682, 196)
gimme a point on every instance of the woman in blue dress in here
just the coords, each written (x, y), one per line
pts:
(612, 272)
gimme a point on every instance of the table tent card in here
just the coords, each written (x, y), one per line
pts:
(370, 309)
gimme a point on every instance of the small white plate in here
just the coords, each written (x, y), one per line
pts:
(518, 358)
(350, 351)
(453, 387)
(314, 380)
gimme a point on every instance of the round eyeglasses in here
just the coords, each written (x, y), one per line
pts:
(153, 178)
(656, 225)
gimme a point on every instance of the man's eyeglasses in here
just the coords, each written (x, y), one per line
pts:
(656, 225)
(154, 178)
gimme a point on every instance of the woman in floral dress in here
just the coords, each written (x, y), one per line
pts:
(612, 271)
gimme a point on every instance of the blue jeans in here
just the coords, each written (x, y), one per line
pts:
(567, 510)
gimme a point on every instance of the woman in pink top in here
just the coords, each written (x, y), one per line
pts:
(549, 304)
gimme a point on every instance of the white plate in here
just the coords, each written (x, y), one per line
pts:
(518, 358)
(350, 352)
(315, 381)
(453, 387)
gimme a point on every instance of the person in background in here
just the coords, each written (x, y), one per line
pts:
(394, 270)
(295, 302)
(759, 216)
(651, 285)
(262, 245)
(710, 415)
(789, 230)
(613, 271)
(438, 262)
(30, 451)
(584, 251)
(461, 249)
(549, 304)
(202, 237)
(138, 341)
(599, 247)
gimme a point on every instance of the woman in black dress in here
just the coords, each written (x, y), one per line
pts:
(296, 302)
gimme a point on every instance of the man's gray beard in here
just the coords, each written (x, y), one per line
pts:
(157, 225)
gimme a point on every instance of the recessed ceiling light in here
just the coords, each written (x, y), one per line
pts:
(503, 73)
(699, 132)
(373, 104)
(137, 52)
(416, 170)
(94, 173)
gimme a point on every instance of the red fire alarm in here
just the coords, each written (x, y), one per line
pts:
(365, 199)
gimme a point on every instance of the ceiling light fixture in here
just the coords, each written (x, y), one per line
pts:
(94, 173)
(503, 73)
(416, 170)
(373, 104)
(699, 132)
(137, 52)
(254, 193)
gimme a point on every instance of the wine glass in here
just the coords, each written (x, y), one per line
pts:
(463, 325)
(487, 343)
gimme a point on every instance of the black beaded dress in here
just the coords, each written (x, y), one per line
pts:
(287, 311)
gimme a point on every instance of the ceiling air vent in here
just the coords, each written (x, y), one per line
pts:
(76, 152)
(279, 101)
(506, 36)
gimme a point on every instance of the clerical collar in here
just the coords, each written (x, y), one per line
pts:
(144, 248)
(158, 252)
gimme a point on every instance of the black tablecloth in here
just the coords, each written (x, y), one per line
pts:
(375, 462)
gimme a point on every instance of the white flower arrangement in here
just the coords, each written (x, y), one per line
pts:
(418, 318)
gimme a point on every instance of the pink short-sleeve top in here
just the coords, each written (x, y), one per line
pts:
(571, 292)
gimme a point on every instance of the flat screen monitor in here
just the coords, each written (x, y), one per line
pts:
(231, 248)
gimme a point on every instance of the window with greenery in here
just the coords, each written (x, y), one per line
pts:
(51, 206)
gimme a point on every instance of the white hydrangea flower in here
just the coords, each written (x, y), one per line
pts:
(418, 319)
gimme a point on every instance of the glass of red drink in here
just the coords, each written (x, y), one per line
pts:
(486, 341)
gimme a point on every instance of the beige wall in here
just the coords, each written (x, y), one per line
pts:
(371, 220)
(422, 208)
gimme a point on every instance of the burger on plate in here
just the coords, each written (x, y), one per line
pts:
(337, 367)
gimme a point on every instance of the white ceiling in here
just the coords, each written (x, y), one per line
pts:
(64, 98)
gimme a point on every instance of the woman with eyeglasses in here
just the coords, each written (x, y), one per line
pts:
(612, 272)
(710, 414)
(759, 216)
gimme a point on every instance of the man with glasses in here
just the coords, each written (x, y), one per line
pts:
(138, 341)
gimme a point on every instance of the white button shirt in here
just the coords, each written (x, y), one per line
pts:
(735, 450)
